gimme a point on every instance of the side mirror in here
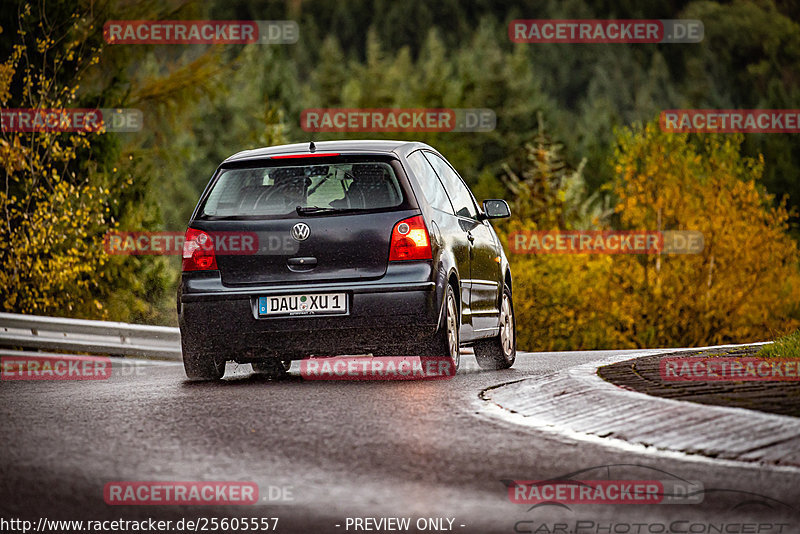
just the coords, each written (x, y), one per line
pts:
(496, 209)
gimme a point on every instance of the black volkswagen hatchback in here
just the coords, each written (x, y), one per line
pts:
(346, 247)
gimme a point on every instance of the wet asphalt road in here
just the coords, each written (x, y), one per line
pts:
(423, 449)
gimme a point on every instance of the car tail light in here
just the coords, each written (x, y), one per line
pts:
(198, 251)
(410, 240)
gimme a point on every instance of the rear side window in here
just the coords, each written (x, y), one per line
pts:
(432, 188)
(279, 191)
(456, 190)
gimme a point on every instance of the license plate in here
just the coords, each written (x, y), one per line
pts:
(307, 304)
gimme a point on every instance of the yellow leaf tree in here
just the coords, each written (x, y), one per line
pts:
(744, 286)
(52, 218)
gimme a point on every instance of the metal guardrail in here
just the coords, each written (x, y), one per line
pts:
(94, 337)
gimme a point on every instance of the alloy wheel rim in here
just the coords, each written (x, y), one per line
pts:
(506, 327)
(452, 331)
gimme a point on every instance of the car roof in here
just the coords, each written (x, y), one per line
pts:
(365, 146)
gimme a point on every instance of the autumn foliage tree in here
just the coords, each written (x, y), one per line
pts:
(53, 218)
(743, 286)
(62, 191)
(548, 194)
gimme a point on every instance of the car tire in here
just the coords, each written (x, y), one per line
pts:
(200, 365)
(445, 343)
(272, 368)
(499, 352)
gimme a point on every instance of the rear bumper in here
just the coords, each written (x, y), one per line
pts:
(381, 315)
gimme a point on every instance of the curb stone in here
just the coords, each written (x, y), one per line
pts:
(577, 400)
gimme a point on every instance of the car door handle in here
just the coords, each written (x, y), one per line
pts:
(302, 262)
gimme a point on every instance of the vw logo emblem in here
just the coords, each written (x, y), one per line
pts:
(300, 231)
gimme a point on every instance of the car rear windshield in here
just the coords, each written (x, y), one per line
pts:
(280, 191)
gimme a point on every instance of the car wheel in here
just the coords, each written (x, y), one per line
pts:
(273, 368)
(500, 351)
(445, 343)
(200, 365)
